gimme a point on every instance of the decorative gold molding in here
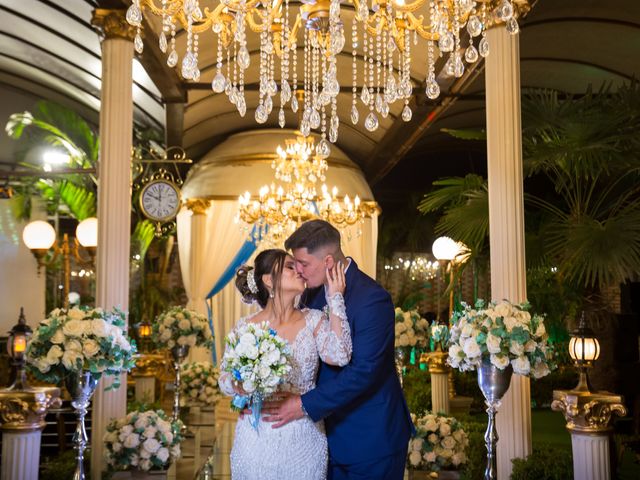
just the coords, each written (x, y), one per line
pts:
(437, 362)
(24, 410)
(588, 413)
(198, 206)
(112, 24)
(149, 365)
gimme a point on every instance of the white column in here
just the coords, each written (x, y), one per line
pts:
(145, 389)
(440, 393)
(590, 457)
(20, 455)
(506, 224)
(114, 204)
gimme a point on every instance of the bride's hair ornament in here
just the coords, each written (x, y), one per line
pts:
(251, 282)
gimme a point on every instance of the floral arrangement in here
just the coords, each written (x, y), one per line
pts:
(440, 442)
(142, 441)
(80, 339)
(258, 360)
(411, 330)
(199, 385)
(439, 334)
(183, 327)
(503, 333)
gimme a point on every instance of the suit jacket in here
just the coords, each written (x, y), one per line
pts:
(366, 415)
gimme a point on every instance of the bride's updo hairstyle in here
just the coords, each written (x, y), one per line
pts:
(267, 262)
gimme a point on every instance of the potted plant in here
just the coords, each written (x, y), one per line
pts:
(144, 443)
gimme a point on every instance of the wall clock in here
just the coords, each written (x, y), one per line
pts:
(160, 200)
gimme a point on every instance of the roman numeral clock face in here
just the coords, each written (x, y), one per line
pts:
(160, 200)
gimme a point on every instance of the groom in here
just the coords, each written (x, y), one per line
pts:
(366, 417)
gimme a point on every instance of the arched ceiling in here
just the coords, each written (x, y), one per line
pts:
(49, 50)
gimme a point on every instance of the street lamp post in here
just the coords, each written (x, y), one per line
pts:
(40, 237)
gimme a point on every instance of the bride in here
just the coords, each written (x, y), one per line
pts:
(297, 450)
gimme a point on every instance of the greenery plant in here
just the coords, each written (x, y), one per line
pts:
(545, 463)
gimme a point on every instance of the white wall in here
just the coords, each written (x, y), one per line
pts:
(20, 286)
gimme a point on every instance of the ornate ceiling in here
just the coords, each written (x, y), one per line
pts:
(49, 50)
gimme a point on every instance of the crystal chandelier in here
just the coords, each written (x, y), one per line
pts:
(300, 44)
(280, 209)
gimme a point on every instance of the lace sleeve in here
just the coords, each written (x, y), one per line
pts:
(333, 348)
(225, 381)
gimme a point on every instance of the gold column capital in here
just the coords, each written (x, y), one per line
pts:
(24, 410)
(112, 23)
(148, 365)
(437, 361)
(198, 206)
(588, 413)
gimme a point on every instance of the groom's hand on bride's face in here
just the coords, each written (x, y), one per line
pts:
(282, 411)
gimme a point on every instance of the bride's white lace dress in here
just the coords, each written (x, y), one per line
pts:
(298, 450)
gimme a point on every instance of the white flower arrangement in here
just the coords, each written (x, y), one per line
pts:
(411, 330)
(439, 443)
(183, 327)
(199, 384)
(439, 334)
(142, 441)
(502, 333)
(80, 339)
(257, 358)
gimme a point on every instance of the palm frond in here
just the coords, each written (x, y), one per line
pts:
(80, 201)
(466, 134)
(143, 235)
(468, 222)
(452, 191)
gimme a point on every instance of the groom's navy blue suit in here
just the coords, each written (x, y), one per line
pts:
(366, 417)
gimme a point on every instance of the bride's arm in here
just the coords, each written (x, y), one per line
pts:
(332, 334)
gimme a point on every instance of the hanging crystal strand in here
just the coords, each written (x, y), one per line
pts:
(261, 113)
(234, 90)
(314, 119)
(241, 102)
(371, 122)
(364, 96)
(354, 46)
(335, 121)
(294, 76)
(322, 145)
(162, 39)
(474, 27)
(228, 83)
(390, 84)
(406, 111)
(134, 18)
(433, 89)
(189, 63)
(172, 59)
(196, 71)
(218, 82)
(458, 66)
(383, 85)
(378, 101)
(304, 123)
(285, 90)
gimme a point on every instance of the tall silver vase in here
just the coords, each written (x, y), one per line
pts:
(80, 387)
(493, 383)
(400, 358)
(179, 353)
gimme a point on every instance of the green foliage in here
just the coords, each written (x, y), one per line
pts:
(63, 465)
(142, 406)
(466, 134)
(476, 450)
(545, 463)
(562, 378)
(416, 384)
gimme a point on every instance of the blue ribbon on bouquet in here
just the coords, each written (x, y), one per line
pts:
(254, 402)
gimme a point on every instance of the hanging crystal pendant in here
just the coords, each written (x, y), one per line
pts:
(391, 45)
(162, 42)
(512, 26)
(384, 111)
(471, 54)
(363, 11)
(332, 87)
(261, 114)
(378, 103)
(334, 122)
(323, 149)
(242, 105)
(314, 119)
(406, 113)
(483, 47)
(333, 135)
(281, 119)
(505, 10)
(355, 116)
(196, 75)
(433, 89)
(458, 67)
(364, 96)
(244, 60)
(466, 5)
(323, 99)
(172, 59)
(137, 43)
(134, 15)
(474, 26)
(305, 129)
(189, 65)
(294, 104)
(217, 27)
(285, 91)
(233, 96)
(268, 104)
(446, 42)
(218, 83)
(272, 87)
(371, 122)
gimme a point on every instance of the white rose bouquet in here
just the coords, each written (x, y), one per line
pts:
(80, 339)
(142, 441)
(411, 329)
(258, 360)
(439, 443)
(199, 385)
(502, 333)
(439, 334)
(183, 327)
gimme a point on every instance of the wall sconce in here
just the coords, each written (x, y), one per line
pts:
(584, 349)
(19, 335)
(40, 237)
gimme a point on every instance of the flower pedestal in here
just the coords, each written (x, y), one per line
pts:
(493, 383)
(144, 373)
(401, 356)
(22, 412)
(588, 416)
(439, 371)
(178, 353)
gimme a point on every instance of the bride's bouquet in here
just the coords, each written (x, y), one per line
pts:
(258, 360)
